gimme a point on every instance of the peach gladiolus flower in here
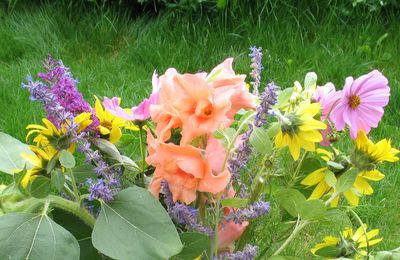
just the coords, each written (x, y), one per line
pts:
(185, 168)
(223, 76)
(200, 103)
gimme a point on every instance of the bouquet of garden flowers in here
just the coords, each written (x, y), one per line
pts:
(195, 170)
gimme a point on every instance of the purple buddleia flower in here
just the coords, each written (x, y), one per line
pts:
(249, 252)
(183, 214)
(256, 65)
(253, 211)
(63, 86)
(269, 98)
(58, 94)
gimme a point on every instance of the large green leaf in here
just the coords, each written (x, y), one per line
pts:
(81, 232)
(31, 236)
(67, 159)
(135, 226)
(10, 154)
(194, 245)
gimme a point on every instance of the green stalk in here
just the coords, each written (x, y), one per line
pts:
(363, 228)
(297, 230)
(142, 154)
(73, 208)
(73, 183)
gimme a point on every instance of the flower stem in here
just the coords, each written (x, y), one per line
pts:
(73, 208)
(296, 230)
(142, 154)
(217, 212)
(363, 228)
(73, 184)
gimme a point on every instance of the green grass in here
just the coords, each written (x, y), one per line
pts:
(113, 55)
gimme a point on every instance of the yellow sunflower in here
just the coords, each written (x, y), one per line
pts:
(39, 160)
(50, 134)
(299, 129)
(110, 125)
(349, 244)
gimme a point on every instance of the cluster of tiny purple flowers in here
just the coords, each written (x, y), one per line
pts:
(257, 67)
(253, 211)
(183, 214)
(249, 252)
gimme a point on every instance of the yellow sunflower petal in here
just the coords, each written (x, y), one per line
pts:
(374, 175)
(320, 190)
(363, 186)
(115, 134)
(314, 177)
(279, 140)
(294, 147)
(370, 242)
(351, 197)
(359, 232)
(103, 130)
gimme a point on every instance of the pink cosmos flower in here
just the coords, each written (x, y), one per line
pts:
(362, 102)
(327, 96)
(141, 112)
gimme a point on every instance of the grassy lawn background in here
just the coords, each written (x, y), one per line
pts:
(113, 55)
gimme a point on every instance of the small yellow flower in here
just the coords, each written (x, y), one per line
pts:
(110, 125)
(49, 134)
(349, 244)
(299, 129)
(39, 160)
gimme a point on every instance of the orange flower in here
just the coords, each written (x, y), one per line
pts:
(199, 103)
(223, 76)
(186, 169)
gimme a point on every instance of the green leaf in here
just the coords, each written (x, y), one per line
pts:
(311, 209)
(67, 159)
(194, 244)
(108, 148)
(80, 231)
(35, 237)
(284, 97)
(330, 178)
(57, 179)
(273, 130)
(83, 172)
(335, 165)
(289, 199)
(234, 202)
(225, 135)
(309, 165)
(346, 181)
(135, 224)
(18, 176)
(10, 154)
(40, 187)
(260, 140)
(328, 251)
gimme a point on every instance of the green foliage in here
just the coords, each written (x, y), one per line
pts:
(67, 159)
(40, 187)
(194, 244)
(261, 141)
(234, 202)
(35, 237)
(144, 228)
(10, 154)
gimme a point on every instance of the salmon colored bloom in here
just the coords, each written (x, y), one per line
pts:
(362, 102)
(224, 76)
(187, 169)
(229, 232)
(199, 103)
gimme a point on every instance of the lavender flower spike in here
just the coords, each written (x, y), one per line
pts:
(269, 98)
(256, 210)
(256, 58)
(182, 213)
(249, 253)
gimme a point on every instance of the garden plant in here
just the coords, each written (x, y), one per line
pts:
(215, 163)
